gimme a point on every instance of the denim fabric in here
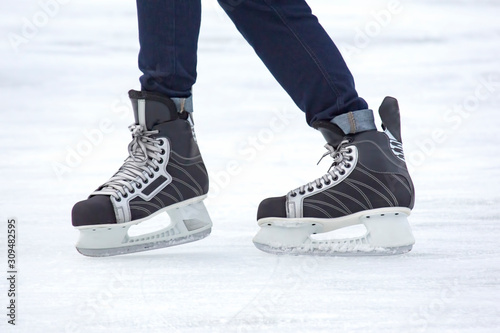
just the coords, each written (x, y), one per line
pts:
(284, 33)
(168, 36)
(183, 103)
(355, 121)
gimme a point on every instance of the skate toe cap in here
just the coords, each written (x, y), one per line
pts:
(272, 207)
(95, 210)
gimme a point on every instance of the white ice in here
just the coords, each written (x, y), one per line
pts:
(71, 74)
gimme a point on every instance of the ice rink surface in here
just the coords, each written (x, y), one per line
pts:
(63, 80)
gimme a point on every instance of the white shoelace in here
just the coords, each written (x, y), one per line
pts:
(340, 162)
(144, 159)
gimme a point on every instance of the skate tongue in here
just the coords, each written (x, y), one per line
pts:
(391, 120)
(151, 109)
(331, 132)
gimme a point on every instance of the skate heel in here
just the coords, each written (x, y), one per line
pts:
(389, 231)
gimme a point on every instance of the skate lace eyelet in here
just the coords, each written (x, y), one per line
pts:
(125, 195)
(328, 182)
(347, 165)
(146, 181)
(349, 150)
(162, 142)
(302, 192)
(119, 199)
(342, 172)
(132, 191)
(335, 178)
(160, 161)
(156, 169)
(350, 159)
(162, 152)
(310, 189)
(319, 186)
(293, 194)
(139, 186)
(152, 175)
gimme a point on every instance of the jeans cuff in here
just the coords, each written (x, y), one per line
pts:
(183, 103)
(355, 121)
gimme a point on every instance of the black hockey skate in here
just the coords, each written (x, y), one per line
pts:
(368, 184)
(164, 173)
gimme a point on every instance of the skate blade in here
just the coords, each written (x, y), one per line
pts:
(341, 251)
(388, 233)
(108, 252)
(189, 222)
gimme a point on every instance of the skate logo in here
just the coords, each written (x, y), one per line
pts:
(397, 149)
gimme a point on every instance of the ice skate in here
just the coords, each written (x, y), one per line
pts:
(367, 184)
(163, 174)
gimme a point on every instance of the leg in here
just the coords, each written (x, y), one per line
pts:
(368, 182)
(164, 172)
(299, 53)
(168, 35)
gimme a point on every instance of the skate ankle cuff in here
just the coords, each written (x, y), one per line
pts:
(355, 121)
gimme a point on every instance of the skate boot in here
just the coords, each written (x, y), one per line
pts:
(368, 184)
(164, 173)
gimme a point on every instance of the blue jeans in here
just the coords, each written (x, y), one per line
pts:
(284, 33)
